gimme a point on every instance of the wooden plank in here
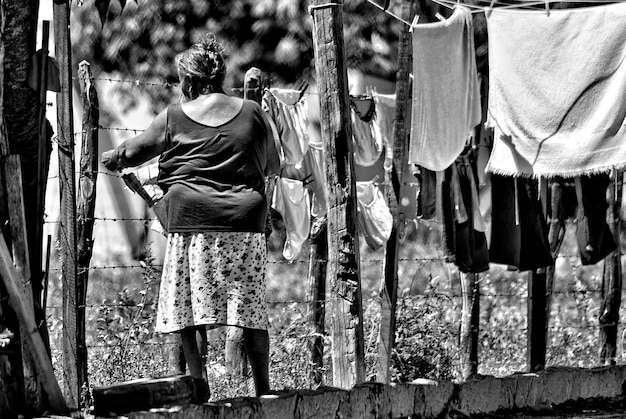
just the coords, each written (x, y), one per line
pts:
(317, 297)
(143, 394)
(470, 318)
(13, 280)
(86, 208)
(343, 269)
(67, 188)
(389, 289)
(612, 277)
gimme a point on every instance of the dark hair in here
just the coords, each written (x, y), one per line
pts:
(203, 62)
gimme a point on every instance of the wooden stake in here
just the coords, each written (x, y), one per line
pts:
(612, 278)
(389, 290)
(13, 281)
(470, 292)
(86, 207)
(343, 240)
(536, 335)
(67, 187)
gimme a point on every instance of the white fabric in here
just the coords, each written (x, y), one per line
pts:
(446, 93)
(556, 90)
(291, 200)
(374, 217)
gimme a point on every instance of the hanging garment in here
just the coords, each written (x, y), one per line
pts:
(384, 125)
(519, 233)
(291, 200)
(446, 97)
(367, 146)
(314, 165)
(291, 122)
(464, 227)
(556, 90)
(374, 218)
(593, 235)
(427, 193)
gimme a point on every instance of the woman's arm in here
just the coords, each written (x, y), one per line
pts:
(272, 156)
(139, 149)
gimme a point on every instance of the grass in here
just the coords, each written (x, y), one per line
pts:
(121, 312)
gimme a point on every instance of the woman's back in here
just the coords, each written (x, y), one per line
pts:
(213, 168)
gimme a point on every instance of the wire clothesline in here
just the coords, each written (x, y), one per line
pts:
(490, 4)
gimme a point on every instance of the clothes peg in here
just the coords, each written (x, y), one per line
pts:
(438, 16)
(414, 23)
(490, 8)
(547, 8)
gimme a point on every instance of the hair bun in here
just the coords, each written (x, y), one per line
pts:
(210, 44)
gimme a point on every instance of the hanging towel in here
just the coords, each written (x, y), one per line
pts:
(556, 91)
(291, 200)
(374, 217)
(446, 96)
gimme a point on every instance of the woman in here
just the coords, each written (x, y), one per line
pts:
(215, 152)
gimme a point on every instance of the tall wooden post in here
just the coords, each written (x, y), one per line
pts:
(236, 359)
(612, 277)
(317, 296)
(86, 207)
(343, 241)
(67, 187)
(389, 289)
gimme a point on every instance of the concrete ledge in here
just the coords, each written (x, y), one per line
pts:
(424, 399)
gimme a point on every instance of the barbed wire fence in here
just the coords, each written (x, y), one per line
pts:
(122, 301)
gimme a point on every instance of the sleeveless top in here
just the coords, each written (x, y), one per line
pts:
(213, 177)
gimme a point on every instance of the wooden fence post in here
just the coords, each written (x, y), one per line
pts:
(612, 277)
(317, 295)
(343, 240)
(389, 289)
(536, 308)
(236, 358)
(470, 317)
(86, 207)
(67, 187)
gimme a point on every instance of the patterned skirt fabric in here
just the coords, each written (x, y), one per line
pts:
(213, 279)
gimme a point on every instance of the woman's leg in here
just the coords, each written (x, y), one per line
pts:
(257, 345)
(194, 347)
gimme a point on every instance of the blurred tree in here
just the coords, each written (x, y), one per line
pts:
(139, 40)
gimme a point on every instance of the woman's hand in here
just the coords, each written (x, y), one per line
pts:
(110, 160)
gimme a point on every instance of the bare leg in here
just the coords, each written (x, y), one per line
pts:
(257, 345)
(194, 347)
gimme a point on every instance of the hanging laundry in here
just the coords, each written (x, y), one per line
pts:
(519, 232)
(384, 121)
(556, 90)
(291, 122)
(464, 227)
(367, 146)
(426, 194)
(291, 200)
(446, 97)
(314, 165)
(374, 218)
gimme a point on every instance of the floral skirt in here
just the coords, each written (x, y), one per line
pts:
(213, 279)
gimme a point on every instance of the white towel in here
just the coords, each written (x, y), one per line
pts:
(556, 90)
(446, 94)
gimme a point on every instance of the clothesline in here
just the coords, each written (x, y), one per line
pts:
(490, 4)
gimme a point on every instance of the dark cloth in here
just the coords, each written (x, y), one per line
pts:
(519, 233)
(463, 243)
(593, 235)
(214, 177)
(427, 196)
